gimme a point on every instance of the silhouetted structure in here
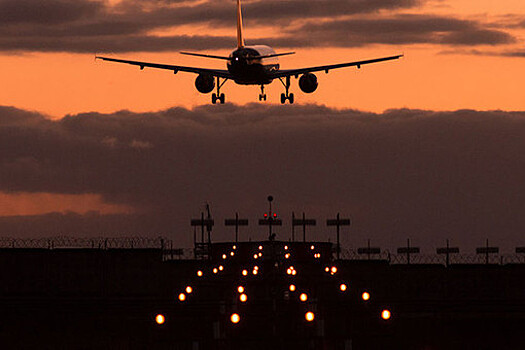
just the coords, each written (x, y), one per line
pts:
(103, 297)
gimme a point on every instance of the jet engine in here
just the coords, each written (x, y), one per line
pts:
(308, 83)
(204, 83)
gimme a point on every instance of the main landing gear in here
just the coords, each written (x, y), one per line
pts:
(218, 96)
(262, 95)
(286, 96)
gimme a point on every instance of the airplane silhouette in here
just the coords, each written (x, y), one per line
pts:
(250, 65)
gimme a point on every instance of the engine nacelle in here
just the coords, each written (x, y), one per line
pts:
(204, 83)
(308, 83)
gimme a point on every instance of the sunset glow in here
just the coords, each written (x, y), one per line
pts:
(95, 148)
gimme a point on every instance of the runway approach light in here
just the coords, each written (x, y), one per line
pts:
(182, 296)
(365, 296)
(243, 297)
(309, 316)
(342, 287)
(385, 314)
(232, 253)
(221, 268)
(240, 289)
(245, 272)
(215, 270)
(199, 273)
(292, 288)
(224, 256)
(333, 270)
(260, 254)
(327, 269)
(235, 318)
(189, 289)
(254, 271)
(255, 256)
(303, 297)
(160, 319)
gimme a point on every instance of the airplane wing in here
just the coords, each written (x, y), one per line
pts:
(291, 72)
(213, 72)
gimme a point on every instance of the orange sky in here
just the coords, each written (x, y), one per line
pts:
(61, 83)
(65, 83)
(12, 204)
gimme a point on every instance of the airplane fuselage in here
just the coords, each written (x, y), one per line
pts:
(252, 71)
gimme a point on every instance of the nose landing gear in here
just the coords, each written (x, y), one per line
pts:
(262, 95)
(286, 96)
(218, 96)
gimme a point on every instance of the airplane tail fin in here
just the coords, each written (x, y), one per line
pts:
(240, 38)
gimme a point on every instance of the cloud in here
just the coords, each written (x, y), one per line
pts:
(92, 44)
(90, 26)
(400, 29)
(500, 53)
(517, 53)
(46, 11)
(402, 173)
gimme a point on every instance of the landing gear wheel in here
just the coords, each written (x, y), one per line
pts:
(286, 96)
(262, 95)
(218, 96)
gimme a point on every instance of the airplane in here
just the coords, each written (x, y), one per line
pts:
(250, 65)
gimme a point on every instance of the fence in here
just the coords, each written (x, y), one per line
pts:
(435, 259)
(171, 253)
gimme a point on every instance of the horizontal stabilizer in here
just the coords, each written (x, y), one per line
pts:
(204, 55)
(273, 55)
(229, 58)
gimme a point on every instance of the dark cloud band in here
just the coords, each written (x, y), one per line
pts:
(90, 26)
(430, 175)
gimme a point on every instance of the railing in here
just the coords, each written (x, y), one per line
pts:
(171, 253)
(430, 259)
(85, 243)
